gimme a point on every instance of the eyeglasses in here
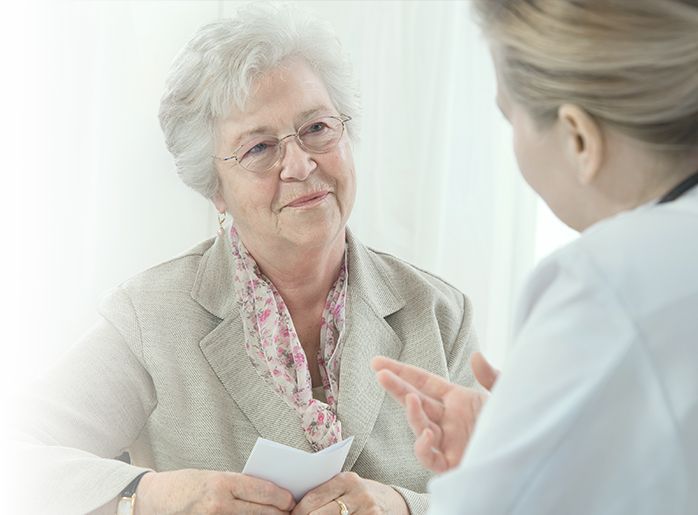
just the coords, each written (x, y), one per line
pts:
(264, 152)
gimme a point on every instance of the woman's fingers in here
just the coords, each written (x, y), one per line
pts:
(395, 386)
(261, 492)
(429, 454)
(427, 383)
(441, 413)
(360, 496)
(238, 507)
(417, 418)
(485, 373)
(399, 389)
(205, 491)
(320, 500)
(429, 445)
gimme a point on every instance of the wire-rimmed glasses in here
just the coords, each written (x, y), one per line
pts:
(264, 152)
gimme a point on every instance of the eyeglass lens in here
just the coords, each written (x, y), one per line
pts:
(262, 153)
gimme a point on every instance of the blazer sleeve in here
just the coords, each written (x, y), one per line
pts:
(66, 427)
(458, 359)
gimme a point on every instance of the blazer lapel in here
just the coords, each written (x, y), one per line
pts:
(367, 334)
(371, 298)
(224, 348)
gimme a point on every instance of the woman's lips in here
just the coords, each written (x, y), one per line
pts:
(309, 200)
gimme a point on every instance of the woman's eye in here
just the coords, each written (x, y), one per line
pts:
(257, 149)
(316, 127)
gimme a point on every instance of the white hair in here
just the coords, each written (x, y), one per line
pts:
(215, 71)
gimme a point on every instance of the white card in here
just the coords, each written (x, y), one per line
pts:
(296, 471)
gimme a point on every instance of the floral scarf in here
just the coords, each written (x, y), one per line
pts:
(275, 350)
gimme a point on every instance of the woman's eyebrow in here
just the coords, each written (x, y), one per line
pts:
(309, 113)
(262, 130)
(267, 130)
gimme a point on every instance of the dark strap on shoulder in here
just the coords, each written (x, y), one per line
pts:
(679, 190)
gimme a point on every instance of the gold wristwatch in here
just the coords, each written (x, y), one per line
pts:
(127, 499)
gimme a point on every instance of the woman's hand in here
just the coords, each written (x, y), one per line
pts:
(440, 413)
(360, 496)
(199, 492)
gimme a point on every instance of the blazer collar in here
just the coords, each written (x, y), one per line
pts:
(368, 278)
(371, 298)
(213, 286)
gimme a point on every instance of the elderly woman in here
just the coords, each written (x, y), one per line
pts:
(596, 410)
(265, 330)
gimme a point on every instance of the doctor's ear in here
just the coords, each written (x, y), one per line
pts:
(583, 140)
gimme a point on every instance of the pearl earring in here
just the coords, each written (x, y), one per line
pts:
(221, 219)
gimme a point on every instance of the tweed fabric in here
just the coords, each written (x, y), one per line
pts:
(166, 376)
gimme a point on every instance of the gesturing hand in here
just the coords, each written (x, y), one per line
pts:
(485, 373)
(440, 413)
(199, 492)
(360, 496)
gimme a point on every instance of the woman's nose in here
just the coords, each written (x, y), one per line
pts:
(296, 163)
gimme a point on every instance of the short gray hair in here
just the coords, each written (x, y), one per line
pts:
(215, 71)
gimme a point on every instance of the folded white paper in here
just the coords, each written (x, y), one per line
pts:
(296, 471)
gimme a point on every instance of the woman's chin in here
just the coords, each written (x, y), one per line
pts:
(315, 236)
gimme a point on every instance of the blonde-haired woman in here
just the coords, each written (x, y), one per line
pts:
(596, 410)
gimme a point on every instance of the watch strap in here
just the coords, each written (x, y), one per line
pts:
(126, 502)
(131, 487)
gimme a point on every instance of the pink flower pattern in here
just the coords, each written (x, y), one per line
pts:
(276, 352)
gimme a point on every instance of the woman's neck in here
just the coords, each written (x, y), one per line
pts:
(303, 276)
(634, 176)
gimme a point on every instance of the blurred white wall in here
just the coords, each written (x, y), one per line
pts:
(89, 196)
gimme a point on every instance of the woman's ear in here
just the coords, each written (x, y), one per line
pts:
(218, 201)
(584, 142)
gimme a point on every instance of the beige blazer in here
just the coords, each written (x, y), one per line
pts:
(166, 376)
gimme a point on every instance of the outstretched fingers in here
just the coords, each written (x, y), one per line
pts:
(429, 455)
(428, 448)
(441, 414)
(401, 389)
(418, 418)
(425, 382)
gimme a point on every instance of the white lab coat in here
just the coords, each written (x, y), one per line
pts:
(596, 411)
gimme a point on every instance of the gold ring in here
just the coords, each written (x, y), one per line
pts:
(343, 507)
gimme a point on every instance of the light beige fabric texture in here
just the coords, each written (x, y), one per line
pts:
(166, 376)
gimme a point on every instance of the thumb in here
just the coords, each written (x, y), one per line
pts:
(485, 373)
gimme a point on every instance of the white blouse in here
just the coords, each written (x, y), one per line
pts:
(596, 411)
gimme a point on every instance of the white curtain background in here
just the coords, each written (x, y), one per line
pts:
(89, 196)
